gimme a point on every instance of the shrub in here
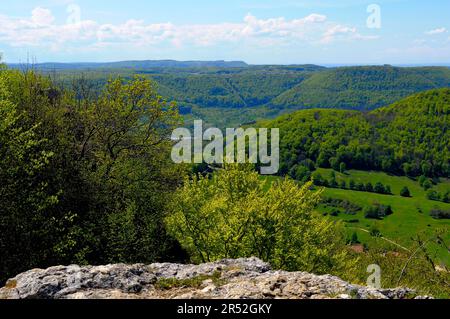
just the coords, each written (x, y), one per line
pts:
(433, 195)
(438, 213)
(375, 232)
(379, 188)
(446, 197)
(387, 190)
(354, 239)
(378, 211)
(371, 212)
(405, 192)
(352, 184)
(427, 184)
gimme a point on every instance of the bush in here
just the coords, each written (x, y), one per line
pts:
(377, 211)
(404, 192)
(379, 188)
(233, 215)
(352, 184)
(427, 184)
(438, 213)
(354, 239)
(375, 232)
(433, 195)
(446, 197)
(86, 179)
(387, 190)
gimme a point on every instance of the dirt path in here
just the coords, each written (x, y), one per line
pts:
(386, 239)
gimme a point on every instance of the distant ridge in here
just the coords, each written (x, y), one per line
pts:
(145, 64)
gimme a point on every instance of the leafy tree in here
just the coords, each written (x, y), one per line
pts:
(333, 183)
(354, 239)
(422, 179)
(25, 198)
(446, 197)
(369, 187)
(85, 177)
(375, 232)
(427, 184)
(433, 195)
(300, 173)
(438, 213)
(342, 167)
(334, 163)
(360, 187)
(318, 179)
(379, 188)
(352, 184)
(232, 215)
(426, 168)
(387, 189)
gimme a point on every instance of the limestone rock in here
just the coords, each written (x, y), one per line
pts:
(248, 278)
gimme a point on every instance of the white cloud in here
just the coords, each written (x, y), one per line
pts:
(436, 31)
(40, 30)
(341, 32)
(41, 16)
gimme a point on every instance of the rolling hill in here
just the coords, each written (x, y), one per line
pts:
(219, 91)
(410, 137)
(362, 88)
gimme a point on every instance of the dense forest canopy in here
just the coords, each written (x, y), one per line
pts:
(362, 88)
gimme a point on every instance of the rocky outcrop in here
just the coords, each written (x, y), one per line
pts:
(226, 279)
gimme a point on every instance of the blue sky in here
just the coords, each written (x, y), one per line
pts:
(258, 32)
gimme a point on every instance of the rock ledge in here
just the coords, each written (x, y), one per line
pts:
(227, 279)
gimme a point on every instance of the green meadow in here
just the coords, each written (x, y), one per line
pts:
(410, 218)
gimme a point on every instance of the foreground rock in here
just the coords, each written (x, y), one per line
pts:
(226, 279)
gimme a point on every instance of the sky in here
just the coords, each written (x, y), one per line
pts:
(254, 31)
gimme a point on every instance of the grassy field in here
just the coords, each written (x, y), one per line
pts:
(410, 215)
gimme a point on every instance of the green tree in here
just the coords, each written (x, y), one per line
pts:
(379, 188)
(232, 215)
(427, 184)
(433, 195)
(426, 168)
(352, 184)
(26, 233)
(446, 197)
(85, 177)
(354, 239)
(342, 167)
(404, 192)
(422, 179)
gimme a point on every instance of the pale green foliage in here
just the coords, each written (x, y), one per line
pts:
(24, 196)
(233, 215)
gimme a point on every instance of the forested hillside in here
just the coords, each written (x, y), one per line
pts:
(410, 137)
(362, 88)
(218, 91)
